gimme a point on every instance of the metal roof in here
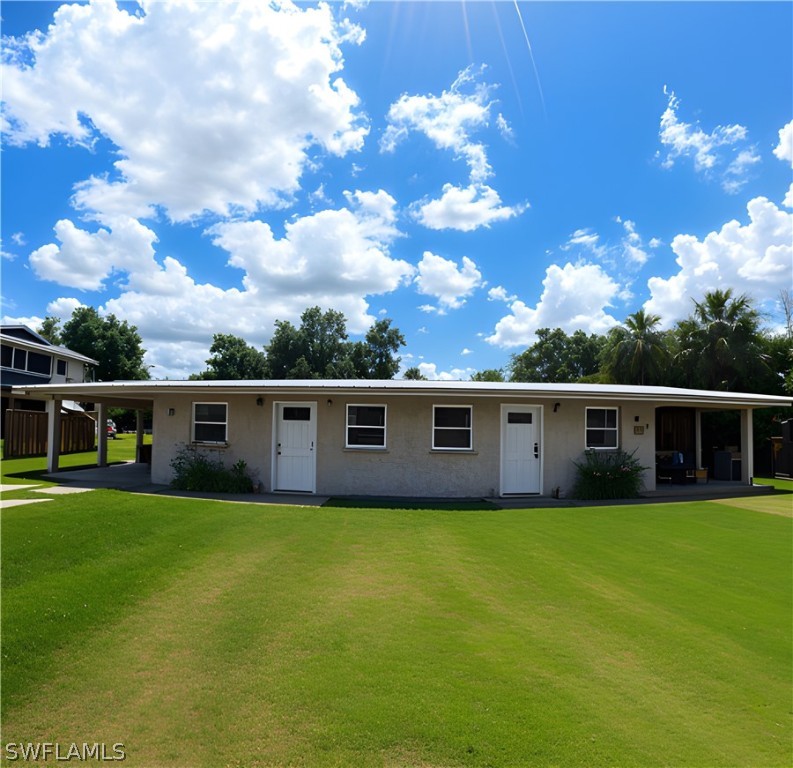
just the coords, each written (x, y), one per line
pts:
(149, 390)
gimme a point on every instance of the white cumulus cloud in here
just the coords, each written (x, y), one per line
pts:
(784, 150)
(448, 120)
(334, 259)
(86, 259)
(755, 258)
(465, 208)
(500, 293)
(449, 283)
(711, 152)
(574, 297)
(206, 102)
(431, 372)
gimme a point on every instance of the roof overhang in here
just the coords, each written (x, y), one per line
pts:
(142, 394)
(46, 347)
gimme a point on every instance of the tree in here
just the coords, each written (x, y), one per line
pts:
(489, 374)
(50, 330)
(319, 349)
(322, 337)
(379, 352)
(115, 344)
(233, 359)
(720, 344)
(786, 303)
(283, 350)
(636, 353)
(778, 351)
(558, 358)
(414, 374)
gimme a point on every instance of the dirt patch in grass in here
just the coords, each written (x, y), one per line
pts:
(772, 505)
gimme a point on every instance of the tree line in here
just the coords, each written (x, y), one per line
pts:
(319, 348)
(722, 345)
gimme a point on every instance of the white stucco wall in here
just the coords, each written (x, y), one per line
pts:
(408, 466)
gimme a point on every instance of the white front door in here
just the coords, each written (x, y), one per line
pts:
(521, 454)
(294, 449)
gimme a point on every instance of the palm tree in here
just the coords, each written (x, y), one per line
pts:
(637, 352)
(722, 338)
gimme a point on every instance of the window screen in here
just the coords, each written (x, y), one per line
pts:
(210, 422)
(366, 426)
(452, 427)
(601, 428)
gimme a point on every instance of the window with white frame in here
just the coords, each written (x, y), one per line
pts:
(366, 425)
(452, 427)
(210, 422)
(602, 431)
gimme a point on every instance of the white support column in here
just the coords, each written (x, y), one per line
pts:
(101, 435)
(138, 434)
(53, 434)
(747, 446)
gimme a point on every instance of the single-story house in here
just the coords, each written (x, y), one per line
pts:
(423, 438)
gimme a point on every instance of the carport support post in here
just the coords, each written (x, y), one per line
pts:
(138, 434)
(53, 434)
(747, 446)
(101, 435)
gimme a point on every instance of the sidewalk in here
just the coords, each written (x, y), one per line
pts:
(136, 478)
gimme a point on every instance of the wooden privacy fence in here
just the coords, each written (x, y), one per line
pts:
(26, 434)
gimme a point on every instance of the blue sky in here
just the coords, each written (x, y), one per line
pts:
(472, 170)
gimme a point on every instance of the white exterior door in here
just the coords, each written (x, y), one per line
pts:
(521, 450)
(294, 450)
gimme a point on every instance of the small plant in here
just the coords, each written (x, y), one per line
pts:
(195, 471)
(608, 475)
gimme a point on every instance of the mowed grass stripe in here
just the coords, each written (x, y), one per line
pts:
(614, 622)
(655, 635)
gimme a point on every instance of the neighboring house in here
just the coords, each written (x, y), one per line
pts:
(420, 438)
(28, 358)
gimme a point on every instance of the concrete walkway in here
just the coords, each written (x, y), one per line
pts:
(136, 478)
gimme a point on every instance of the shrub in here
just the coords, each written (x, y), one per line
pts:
(608, 475)
(195, 471)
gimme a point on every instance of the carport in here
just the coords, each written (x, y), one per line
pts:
(118, 397)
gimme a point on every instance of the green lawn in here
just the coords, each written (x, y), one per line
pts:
(200, 633)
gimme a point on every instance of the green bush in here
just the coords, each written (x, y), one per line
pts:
(608, 475)
(195, 471)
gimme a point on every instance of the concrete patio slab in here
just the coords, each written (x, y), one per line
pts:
(9, 487)
(126, 476)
